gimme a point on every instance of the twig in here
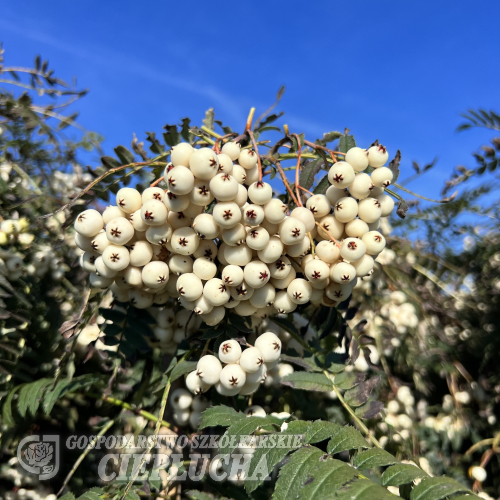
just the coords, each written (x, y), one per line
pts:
(157, 181)
(248, 125)
(297, 170)
(306, 190)
(328, 233)
(89, 448)
(398, 186)
(252, 138)
(285, 181)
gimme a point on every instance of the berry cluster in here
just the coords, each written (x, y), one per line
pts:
(243, 370)
(187, 409)
(249, 254)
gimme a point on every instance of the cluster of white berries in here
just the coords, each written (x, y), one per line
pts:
(243, 370)
(186, 408)
(248, 255)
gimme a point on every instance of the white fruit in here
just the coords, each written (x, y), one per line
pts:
(88, 223)
(225, 164)
(119, 231)
(181, 153)
(224, 187)
(319, 205)
(234, 236)
(240, 174)
(200, 195)
(185, 241)
(334, 194)
(284, 282)
(316, 270)
(232, 376)
(189, 286)
(305, 216)
(215, 292)
(98, 281)
(327, 251)
(341, 174)
(176, 202)
(346, 209)
(363, 266)
(338, 292)
(330, 226)
(204, 268)
(241, 198)
(204, 163)
(129, 200)
(263, 296)
(137, 221)
(382, 177)
(280, 268)
(227, 214)
(205, 226)
(116, 257)
(226, 392)
(342, 273)
(181, 399)
(361, 186)
(200, 403)
(251, 360)
(206, 248)
(377, 156)
(386, 204)
(374, 242)
(299, 291)
(299, 249)
(166, 318)
(214, 317)
(208, 369)
(241, 292)
(140, 299)
(255, 411)
(358, 158)
(352, 249)
(100, 242)
(195, 384)
(272, 251)
(244, 308)
(133, 276)
(252, 175)
(275, 211)
(257, 238)
(369, 210)
(356, 228)
(103, 270)
(112, 212)
(152, 193)
(252, 215)
(232, 275)
(291, 231)
(247, 158)
(260, 193)
(256, 274)
(83, 242)
(270, 346)
(231, 149)
(238, 256)
(159, 235)
(229, 351)
(180, 180)
(163, 334)
(180, 264)
(155, 274)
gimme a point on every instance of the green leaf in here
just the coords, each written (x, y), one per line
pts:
(109, 162)
(124, 155)
(325, 479)
(346, 142)
(112, 315)
(68, 496)
(320, 430)
(35, 394)
(322, 185)
(220, 415)
(401, 474)
(7, 407)
(287, 325)
(328, 137)
(132, 495)
(347, 438)
(264, 459)
(435, 488)
(363, 489)
(171, 135)
(243, 427)
(348, 380)
(359, 395)
(90, 495)
(369, 410)
(375, 457)
(198, 495)
(182, 368)
(308, 363)
(308, 381)
(293, 474)
(265, 129)
(309, 170)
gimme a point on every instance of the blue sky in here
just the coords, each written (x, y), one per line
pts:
(398, 71)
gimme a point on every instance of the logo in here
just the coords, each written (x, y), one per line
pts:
(39, 455)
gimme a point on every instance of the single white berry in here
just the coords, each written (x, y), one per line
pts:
(216, 292)
(232, 275)
(214, 317)
(369, 210)
(181, 153)
(208, 369)
(204, 268)
(181, 399)
(374, 242)
(159, 235)
(330, 226)
(152, 193)
(275, 211)
(316, 270)
(154, 213)
(337, 292)
(299, 291)
(185, 241)
(206, 248)
(155, 274)
(245, 308)
(342, 273)
(103, 270)
(166, 318)
(260, 193)
(356, 228)
(478, 473)
(298, 249)
(252, 215)
(341, 174)
(241, 197)
(334, 194)
(256, 274)
(100, 242)
(377, 156)
(133, 276)
(227, 214)
(258, 376)
(176, 202)
(189, 286)
(205, 226)
(263, 296)
(247, 158)
(386, 204)
(270, 346)
(225, 164)
(251, 360)
(239, 256)
(224, 187)
(112, 212)
(284, 282)
(240, 174)
(137, 221)
(363, 266)
(119, 231)
(382, 177)
(84, 242)
(272, 251)
(291, 231)
(129, 200)
(88, 223)
(180, 180)
(116, 257)
(204, 163)
(319, 205)
(280, 268)
(358, 158)
(98, 281)
(234, 236)
(255, 411)
(361, 187)
(229, 351)
(163, 334)
(305, 216)
(352, 249)
(257, 238)
(200, 403)
(232, 376)
(346, 209)
(327, 251)
(180, 264)
(231, 149)
(252, 175)
(201, 194)
(140, 299)
(195, 384)
(226, 392)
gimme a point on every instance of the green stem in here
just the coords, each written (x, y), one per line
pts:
(344, 403)
(397, 186)
(90, 446)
